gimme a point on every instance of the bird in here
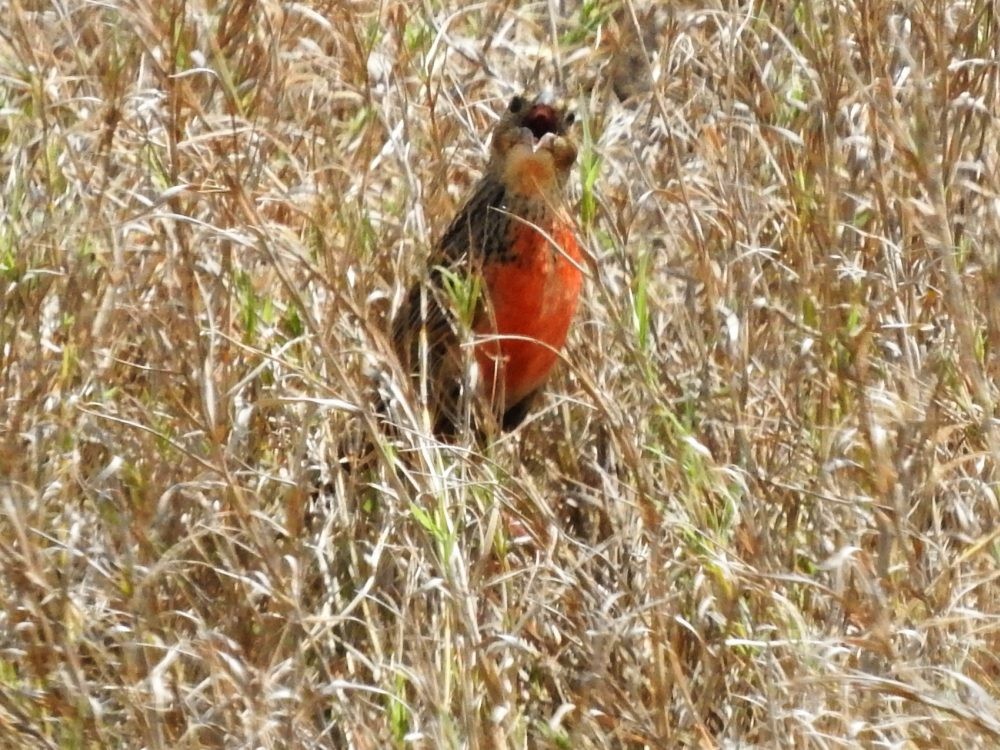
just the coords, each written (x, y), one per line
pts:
(508, 270)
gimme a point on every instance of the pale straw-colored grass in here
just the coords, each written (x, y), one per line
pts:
(757, 507)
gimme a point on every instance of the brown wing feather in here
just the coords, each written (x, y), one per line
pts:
(477, 232)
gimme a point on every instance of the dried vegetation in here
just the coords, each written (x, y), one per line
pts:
(757, 508)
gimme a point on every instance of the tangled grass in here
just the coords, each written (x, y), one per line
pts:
(758, 506)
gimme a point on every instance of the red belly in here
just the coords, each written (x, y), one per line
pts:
(533, 299)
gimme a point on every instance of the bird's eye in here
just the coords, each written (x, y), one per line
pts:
(517, 104)
(569, 119)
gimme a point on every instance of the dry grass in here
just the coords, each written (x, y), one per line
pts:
(758, 508)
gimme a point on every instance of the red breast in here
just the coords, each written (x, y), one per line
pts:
(533, 297)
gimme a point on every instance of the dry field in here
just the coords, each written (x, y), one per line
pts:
(758, 506)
